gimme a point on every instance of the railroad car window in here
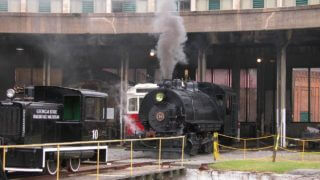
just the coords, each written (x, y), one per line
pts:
(133, 104)
(94, 108)
(71, 108)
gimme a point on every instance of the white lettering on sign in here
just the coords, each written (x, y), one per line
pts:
(46, 114)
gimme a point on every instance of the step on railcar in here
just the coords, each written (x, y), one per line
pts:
(49, 114)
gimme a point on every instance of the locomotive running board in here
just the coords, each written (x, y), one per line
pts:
(72, 148)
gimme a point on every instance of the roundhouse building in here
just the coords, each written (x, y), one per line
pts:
(268, 50)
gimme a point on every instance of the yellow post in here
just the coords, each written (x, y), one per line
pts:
(4, 159)
(215, 146)
(244, 148)
(302, 155)
(98, 160)
(58, 162)
(159, 153)
(182, 150)
(131, 158)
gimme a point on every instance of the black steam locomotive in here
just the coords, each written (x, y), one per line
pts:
(48, 114)
(193, 109)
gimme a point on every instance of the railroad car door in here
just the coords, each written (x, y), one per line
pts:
(94, 118)
(69, 128)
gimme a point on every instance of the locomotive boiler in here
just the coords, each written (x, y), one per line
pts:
(49, 114)
(193, 109)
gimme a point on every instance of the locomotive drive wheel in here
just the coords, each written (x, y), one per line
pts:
(73, 164)
(51, 167)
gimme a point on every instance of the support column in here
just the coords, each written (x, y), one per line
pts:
(236, 84)
(151, 5)
(108, 6)
(236, 4)
(193, 5)
(66, 8)
(23, 6)
(281, 49)
(202, 65)
(46, 72)
(123, 89)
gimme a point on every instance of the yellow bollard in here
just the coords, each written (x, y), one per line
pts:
(215, 146)
(4, 160)
(98, 160)
(131, 158)
(244, 149)
(159, 153)
(58, 162)
(302, 154)
(182, 151)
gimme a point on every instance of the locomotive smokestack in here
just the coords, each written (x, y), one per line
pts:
(170, 46)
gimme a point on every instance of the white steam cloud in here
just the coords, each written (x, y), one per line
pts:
(170, 46)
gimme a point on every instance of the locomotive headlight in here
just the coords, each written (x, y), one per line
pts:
(10, 93)
(159, 97)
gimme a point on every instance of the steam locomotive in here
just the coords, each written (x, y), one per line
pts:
(193, 109)
(49, 114)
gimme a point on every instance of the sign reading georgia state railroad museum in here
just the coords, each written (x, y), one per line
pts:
(46, 114)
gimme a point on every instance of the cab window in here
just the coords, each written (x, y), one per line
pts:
(94, 108)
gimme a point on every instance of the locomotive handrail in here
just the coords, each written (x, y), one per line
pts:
(58, 145)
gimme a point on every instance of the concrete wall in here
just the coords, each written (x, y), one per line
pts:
(210, 21)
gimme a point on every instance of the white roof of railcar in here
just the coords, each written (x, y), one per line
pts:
(133, 90)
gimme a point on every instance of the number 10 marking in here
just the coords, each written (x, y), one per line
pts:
(95, 134)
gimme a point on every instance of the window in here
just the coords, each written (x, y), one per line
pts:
(214, 4)
(248, 95)
(124, 6)
(258, 4)
(133, 104)
(44, 6)
(140, 101)
(305, 94)
(3, 5)
(94, 108)
(301, 2)
(87, 6)
(183, 5)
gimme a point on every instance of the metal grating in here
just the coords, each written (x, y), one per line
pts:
(214, 4)
(44, 6)
(3, 5)
(10, 120)
(258, 3)
(301, 2)
(87, 6)
(129, 6)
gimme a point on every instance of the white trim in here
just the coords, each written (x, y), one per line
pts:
(23, 169)
(72, 148)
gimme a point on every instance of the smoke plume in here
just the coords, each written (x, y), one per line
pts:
(170, 46)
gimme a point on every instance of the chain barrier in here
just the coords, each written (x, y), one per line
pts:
(59, 147)
(297, 149)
